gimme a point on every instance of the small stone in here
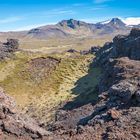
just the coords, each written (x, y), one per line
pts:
(114, 114)
(138, 95)
(2, 115)
(80, 129)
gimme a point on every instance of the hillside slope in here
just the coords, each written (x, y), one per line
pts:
(115, 115)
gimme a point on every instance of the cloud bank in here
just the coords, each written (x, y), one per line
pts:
(131, 20)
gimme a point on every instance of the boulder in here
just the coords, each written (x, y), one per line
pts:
(138, 95)
(114, 114)
(7, 48)
(11, 44)
(135, 32)
(122, 91)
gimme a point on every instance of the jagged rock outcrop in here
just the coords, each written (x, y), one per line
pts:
(11, 45)
(127, 46)
(7, 48)
(122, 46)
(118, 106)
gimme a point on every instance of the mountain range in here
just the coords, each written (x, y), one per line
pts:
(73, 28)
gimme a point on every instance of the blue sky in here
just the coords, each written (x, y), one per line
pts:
(27, 14)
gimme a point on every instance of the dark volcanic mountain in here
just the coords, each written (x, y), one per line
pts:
(75, 28)
(114, 26)
(116, 23)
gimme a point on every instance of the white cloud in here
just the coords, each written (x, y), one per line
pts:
(101, 1)
(56, 12)
(127, 21)
(131, 20)
(99, 7)
(64, 12)
(10, 20)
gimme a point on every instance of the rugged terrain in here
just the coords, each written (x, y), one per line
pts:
(72, 95)
(115, 115)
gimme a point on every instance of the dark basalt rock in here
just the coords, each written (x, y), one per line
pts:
(11, 44)
(122, 46)
(135, 32)
(138, 95)
(7, 48)
(72, 51)
(127, 46)
(122, 91)
(94, 49)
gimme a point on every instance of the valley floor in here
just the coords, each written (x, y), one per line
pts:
(42, 83)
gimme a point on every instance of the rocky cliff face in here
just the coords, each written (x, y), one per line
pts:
(128, 45)
(122, 46)
(116, 113)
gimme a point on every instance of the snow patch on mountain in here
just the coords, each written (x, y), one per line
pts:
(105, 22)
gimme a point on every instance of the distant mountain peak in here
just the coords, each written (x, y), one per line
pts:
(114, 22)
(71, 23)
(117, 21)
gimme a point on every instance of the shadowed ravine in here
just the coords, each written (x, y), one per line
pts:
(85, 89)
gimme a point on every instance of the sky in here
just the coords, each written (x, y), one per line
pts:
(18, 15)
